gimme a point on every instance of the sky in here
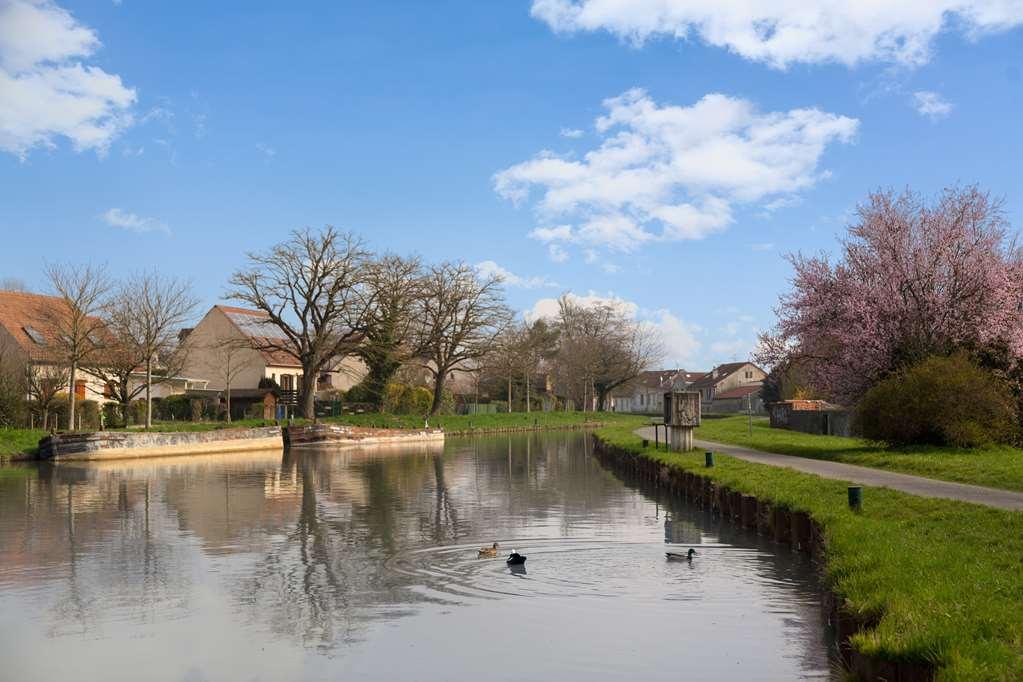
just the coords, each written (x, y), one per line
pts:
(663, 154)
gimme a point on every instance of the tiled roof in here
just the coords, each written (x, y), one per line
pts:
(739, 392)
(255, 324)
(32, 320)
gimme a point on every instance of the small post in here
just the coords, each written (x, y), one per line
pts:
(855, 498)
(657, 442)
(645, 442)
(708, 458)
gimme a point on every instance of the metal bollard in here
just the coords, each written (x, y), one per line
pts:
(708, 458)
(855, 498)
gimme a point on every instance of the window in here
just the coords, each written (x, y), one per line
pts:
(79, 390)
(749, 374)
(325, 379)
(35, 335)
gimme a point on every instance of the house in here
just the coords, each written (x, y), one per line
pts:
(730, 388)
(645, 394)
(225, 347)
(29, 329)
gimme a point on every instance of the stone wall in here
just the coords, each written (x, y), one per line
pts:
(126, 444)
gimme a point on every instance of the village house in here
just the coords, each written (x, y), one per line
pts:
(645, 394)
(225, 346)
(731, 387)
(29, 330)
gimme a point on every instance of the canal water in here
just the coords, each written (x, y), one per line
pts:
(327, 565)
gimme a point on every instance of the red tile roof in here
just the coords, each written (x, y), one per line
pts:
(739, 392)
(21, 311)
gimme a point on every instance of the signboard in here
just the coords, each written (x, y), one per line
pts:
(682, 408)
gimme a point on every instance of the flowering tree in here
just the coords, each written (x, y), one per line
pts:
(914, 279)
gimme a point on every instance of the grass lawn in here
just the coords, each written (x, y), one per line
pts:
(945, 578)
(996, 467)
(19, 441)
(478, 422)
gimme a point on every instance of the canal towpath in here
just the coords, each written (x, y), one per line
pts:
(907, 483)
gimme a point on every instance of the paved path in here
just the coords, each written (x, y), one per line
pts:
(914, 485)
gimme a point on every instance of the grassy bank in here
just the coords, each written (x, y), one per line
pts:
(945, 579)
(16, 443)
(996, 467)
(485, 422)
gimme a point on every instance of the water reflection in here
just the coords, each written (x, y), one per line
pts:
(318, 563)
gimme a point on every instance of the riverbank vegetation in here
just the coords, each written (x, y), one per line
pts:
(941, 579)
(996, 466)
(19, 442)
(917, 324)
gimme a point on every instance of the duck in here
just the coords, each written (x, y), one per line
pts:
(688, 556)
(516, 559)
(487, 552)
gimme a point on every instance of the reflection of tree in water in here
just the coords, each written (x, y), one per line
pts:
(107, 535)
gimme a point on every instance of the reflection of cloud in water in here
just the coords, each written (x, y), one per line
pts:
(310, 550)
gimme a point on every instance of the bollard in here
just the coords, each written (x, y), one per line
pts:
(708, 458)
(855, 498)
(645, 442)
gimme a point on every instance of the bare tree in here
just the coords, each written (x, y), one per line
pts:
(312, 288)
(395, 294)
(602, 348)
(462, 316)
(13, 386)
(233, 357)
(506, 360)
(43, 384)
(539, 344)
(146, 313)
(12, 284)
(78, 327)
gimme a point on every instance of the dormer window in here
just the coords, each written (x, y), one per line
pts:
(35, 335)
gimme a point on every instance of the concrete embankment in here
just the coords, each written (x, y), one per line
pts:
(331, 435)
(794, 528)
(104, 445)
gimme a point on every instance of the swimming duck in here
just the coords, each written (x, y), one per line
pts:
(487, 552)
(515, 559)
(688, 556)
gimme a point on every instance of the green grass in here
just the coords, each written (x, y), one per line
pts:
(481, 422)
(15, 442)
(945, 578)
(996, 467)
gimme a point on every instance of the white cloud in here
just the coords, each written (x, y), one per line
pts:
(124, 220)
(783, 33)
(672, 172)
(678, 337)
(931, 104)
(571, 133)
(489, 268)
(557, 253)
(45, 89)
(266, 150)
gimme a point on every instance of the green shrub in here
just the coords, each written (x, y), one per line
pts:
(175, 408)
(405, 399)
(939, 401)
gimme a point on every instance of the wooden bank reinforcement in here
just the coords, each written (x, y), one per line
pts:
(796, 529)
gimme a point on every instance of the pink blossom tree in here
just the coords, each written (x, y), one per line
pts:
(914, 279)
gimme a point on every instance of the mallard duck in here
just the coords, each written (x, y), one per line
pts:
(515, 559)
(688, 556)
(487, 552)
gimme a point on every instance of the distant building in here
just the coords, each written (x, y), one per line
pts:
(731, 387)
(645, 394)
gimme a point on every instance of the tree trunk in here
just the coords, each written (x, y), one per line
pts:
(438, 392)
(308, 394)
(509, 394)
(71, 398)
(228, 394)
(601, 399)
(149, 392)
(527, 392)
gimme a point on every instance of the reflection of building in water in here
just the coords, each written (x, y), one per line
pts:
(680, 531)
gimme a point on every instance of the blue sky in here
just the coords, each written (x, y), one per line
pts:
(668, 158)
